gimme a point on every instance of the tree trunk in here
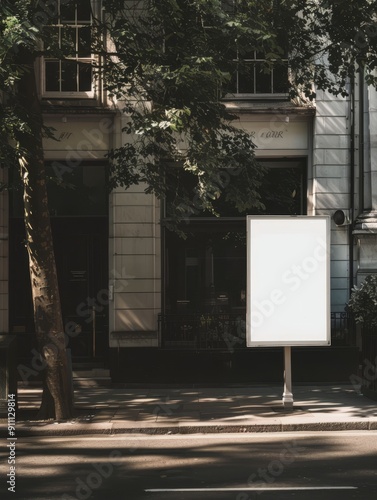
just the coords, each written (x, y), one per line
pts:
(57, 397)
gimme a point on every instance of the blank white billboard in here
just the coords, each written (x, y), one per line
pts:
(288, 281)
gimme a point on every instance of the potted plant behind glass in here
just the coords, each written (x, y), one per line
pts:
(362, 305)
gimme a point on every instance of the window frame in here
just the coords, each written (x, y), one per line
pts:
(72, 94)
(255, 62)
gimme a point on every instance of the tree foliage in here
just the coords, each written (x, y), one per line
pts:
(363, 302)
(329, 41)
(171, 63)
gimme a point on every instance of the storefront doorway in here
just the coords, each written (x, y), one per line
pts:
(81, 257)
(79, 219)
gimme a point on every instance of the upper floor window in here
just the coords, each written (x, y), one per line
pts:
(253, 76)
(69, 34)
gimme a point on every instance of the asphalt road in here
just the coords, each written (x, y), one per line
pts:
(299, 466)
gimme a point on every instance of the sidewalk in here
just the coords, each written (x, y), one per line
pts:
(102, 409)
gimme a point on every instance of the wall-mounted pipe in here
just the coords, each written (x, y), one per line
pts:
(361, 143)
(351, 184)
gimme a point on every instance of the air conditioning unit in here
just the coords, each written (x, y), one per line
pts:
(342, 217)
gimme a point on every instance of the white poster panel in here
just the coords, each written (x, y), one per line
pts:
(288, 281)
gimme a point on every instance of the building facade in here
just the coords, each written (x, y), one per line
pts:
(151, 306)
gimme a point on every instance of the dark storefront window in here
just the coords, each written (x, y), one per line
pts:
(82, 190)
(78, 190)
(207, 271)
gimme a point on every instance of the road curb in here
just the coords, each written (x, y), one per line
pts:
(65, 429)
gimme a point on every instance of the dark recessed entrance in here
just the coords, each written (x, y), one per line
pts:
(79, 219)
(81, 259)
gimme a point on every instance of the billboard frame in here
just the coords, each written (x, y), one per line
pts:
(322, 230)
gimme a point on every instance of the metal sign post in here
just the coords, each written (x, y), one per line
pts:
(287, 394)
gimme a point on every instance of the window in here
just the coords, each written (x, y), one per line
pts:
(253, 76)
(69, 31)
